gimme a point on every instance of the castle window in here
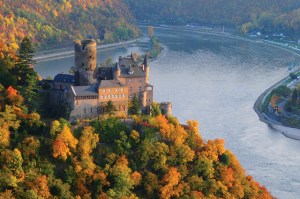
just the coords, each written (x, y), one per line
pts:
(101, 96)
(108, 96)
(130, 80)
(130, 89)
(124, 95)
(140, 88)
(109, 90)
(103, 90)
(112, 96)
(84, 110)
(91, 110)
(130, 97)
(116, 90)
(140, 80)
(76, 102)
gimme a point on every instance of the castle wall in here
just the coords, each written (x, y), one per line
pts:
(118, 96)
(135, 85)
(84, 107)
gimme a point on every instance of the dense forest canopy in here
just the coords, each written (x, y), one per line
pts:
(52, 23)
(267, 16)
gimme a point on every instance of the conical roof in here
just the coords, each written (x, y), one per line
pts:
(145, 63)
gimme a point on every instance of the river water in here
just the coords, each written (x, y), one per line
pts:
(216, 80)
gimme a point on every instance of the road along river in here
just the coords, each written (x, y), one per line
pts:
(216, 80)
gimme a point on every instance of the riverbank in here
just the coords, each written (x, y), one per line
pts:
(287, 131)
(68, 52)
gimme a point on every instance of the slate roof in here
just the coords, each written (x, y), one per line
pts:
(137, 72)
(111, 84)
(84, 90)
(66, 78)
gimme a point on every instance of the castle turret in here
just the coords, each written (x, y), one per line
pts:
(166, 108)
(85, 62)
(146, 68)
(117, 71)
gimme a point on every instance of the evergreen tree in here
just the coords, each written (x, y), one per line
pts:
(135, 107)
(110, 108)
(27, 78)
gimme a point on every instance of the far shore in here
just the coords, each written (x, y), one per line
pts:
(287, 131)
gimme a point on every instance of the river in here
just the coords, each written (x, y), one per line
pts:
(216, 80)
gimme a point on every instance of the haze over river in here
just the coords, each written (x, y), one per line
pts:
(216, 80)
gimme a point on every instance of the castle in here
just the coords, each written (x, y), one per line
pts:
(88, 91)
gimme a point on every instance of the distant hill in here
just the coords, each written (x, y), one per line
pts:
(57, 22)
(267, 16)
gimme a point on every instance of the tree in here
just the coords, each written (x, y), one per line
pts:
(295, 96)
(87, 141)
(26, 52)
(27, 78)
(155, 109)
(135, 108)
(110, 108)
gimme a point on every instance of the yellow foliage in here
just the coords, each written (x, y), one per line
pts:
(4, 137)
(87, 141)
(67, 137)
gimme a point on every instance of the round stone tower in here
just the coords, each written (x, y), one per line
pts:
(85, 62)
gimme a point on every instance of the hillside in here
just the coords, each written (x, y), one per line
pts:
(53, 23)
(267, 16)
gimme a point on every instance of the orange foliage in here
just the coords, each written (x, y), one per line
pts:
(60, 149)
(13, 97)
(227, 177)
(136, 177)
(171, 179)
(213, 148)
(274, 100)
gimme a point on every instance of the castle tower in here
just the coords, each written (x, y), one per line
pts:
(117, 71)
(85, 62)
(146, 68)
(166, 108)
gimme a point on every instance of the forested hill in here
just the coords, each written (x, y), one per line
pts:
(51, 23)
(267, 15)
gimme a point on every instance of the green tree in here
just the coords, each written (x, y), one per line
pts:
(27, 78)
(110, 108)
(135, 108)
(155, 109)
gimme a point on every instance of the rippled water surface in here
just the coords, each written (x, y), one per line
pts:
(216, 80)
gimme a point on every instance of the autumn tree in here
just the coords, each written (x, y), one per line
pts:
(64, 141)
